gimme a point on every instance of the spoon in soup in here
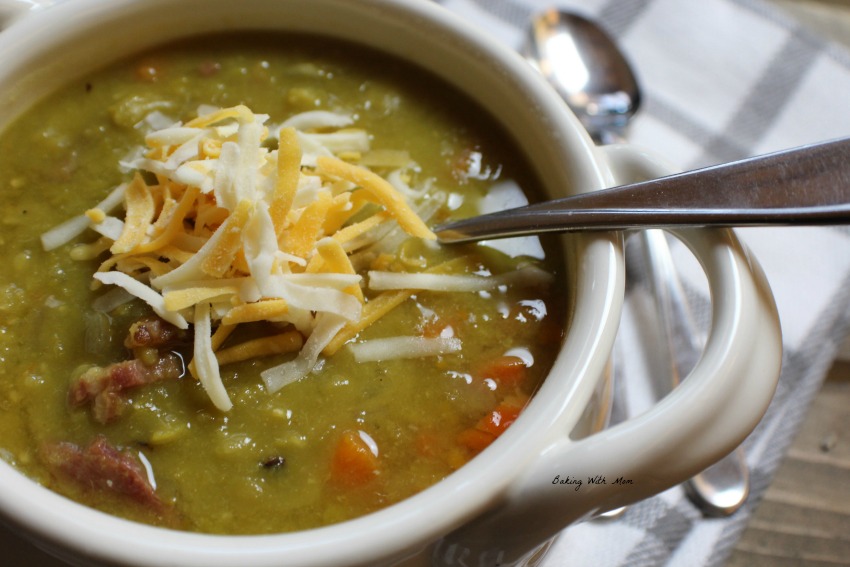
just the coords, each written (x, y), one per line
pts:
(808, 185)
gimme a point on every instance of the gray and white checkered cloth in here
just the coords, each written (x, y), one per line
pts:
(722, 80)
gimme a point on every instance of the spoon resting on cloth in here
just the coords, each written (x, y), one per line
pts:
(808, 185)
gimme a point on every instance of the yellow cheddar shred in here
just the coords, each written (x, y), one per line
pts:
(288, 173)
(289, 341)
(340, 211)
(140, 213)
(376, 308)
(240, 112)
(139, 264)
(208, 215)
(266, 310)
(178, 299)
(174, 255)
(219, 259)
(352, 231)
(301, 237)
(173, 224)
(331, 258)
(220, 335)
(381, 190)
(210, 148)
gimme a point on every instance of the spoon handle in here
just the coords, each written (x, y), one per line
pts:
(805, 185)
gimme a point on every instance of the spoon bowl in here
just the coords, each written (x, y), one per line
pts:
(584, 66)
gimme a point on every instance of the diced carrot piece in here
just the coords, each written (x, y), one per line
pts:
(475, 440)
(353, 463)
(489, 427)
(453, 321)
(498, 420)
(149, 70)
(433, 328)
(506, 371)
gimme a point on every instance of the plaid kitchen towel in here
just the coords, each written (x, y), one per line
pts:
(722, 80)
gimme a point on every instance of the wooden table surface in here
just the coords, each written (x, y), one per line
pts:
(804, 517)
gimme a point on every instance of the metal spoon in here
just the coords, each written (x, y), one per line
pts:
(808, 185)
(587, 69)
(591, 74)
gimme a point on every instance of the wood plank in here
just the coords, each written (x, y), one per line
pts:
(787, 515)
(775, 544)
(750, 559)
(821, 485)
(803, 519)
(828, 18)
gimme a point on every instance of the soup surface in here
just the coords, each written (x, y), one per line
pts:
(106, 403)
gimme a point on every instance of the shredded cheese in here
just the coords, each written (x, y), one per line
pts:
(327, 326)
(403, 347)
(288, 174)
(383, 192)
(288, 341)
(145, 293)
(318, 119)
(235, 231)
(178, 299)
(73, 227)
(435, 282)
(204, 362)
(529, 275)
(267, 310)
(372, 311)
(140, 214)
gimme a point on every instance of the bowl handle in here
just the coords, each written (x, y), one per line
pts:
(718, 404)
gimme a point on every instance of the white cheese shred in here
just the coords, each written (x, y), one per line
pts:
(145, 293)
(204, 360)
(379, 280)
(327, 326)
(403, 347)
(527, 275)
(73, 227)
(315, 119)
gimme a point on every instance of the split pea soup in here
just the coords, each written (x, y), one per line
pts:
(223, 308)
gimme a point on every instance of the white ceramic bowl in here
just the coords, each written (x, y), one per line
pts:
(504, 503)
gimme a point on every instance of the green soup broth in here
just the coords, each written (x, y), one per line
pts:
(267, 465)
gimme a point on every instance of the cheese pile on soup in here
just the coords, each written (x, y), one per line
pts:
(224, 309)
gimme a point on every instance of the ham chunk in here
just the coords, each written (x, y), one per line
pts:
(101, 467)
(153, 332)
(103, 387)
